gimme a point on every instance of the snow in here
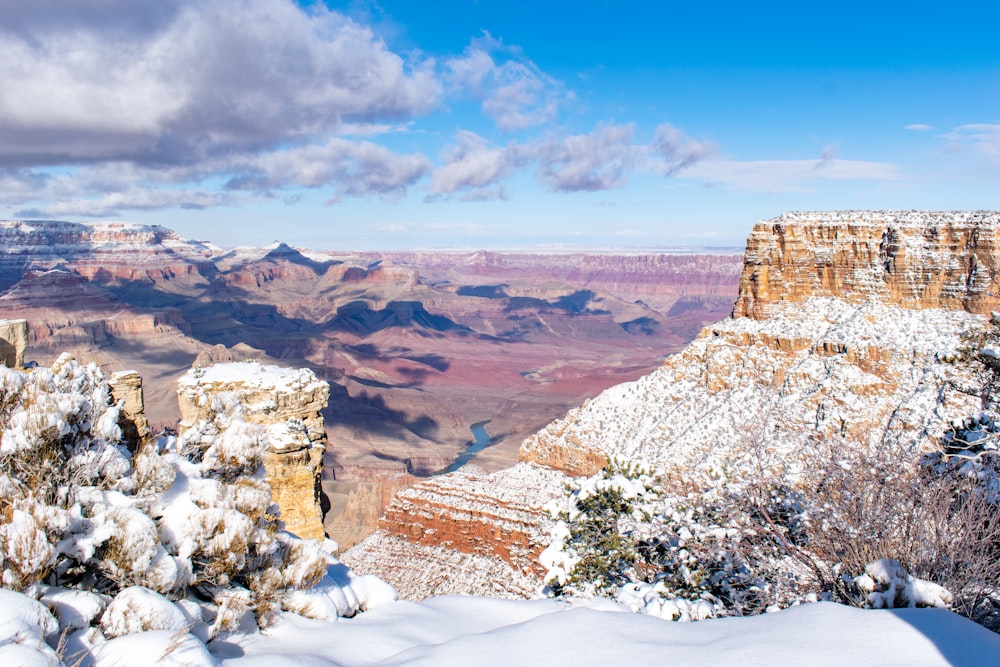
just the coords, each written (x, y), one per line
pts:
(482, 631)
(159, 647)
(465, 631)
(889, 585)
(251, 374)
(137, 609)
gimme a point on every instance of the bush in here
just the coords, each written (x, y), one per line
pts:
(184, 515)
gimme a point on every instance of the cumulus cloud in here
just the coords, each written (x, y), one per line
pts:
(594, 161)
(358, 168)
(190, 80)
(471, 166)
(513, 91)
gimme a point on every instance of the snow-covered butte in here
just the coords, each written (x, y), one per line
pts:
(287, 403)
(843, 326)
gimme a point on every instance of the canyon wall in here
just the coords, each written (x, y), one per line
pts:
(843, 328)
(911, 259)
(415, 346)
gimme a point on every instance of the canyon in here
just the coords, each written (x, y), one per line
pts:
(846, 325)
(415, 346)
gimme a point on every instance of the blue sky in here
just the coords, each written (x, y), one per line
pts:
(491, 124)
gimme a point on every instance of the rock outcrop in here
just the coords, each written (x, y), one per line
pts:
(289, 402)
(911, 259)
(467, 533)
(13, 342)
(126, 386)
(843, 327)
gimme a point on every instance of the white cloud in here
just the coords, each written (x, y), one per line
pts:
(513, 91)
(981, 137)
(357, 168)
(918, 127)
(673, 151)
(134, 199)
(391, 228)
(789, 175)
(473, 164)
(594, 161)
(193, 81)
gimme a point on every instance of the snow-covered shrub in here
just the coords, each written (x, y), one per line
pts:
(681, 557)
(60, 442)
(233, 529)
(857, 504)
(887, 585)
(137, 609)
(24, 626)
(600, 530)
(183, 517)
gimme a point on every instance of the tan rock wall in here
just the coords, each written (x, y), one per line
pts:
(13, 342)
(912, 259)
(271, 396)
(126, 386)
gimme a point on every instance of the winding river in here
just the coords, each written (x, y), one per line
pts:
(480, 441)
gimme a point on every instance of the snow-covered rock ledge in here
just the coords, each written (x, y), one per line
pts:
(287, 402)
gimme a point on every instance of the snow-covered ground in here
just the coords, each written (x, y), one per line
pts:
(480, 631)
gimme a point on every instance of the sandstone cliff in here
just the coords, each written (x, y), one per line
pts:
(126, 386)
(841, 327)
(289, 403)
(13, 342)
(910, 259)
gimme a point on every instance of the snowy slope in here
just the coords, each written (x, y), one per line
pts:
(478, 631)
(823, 366)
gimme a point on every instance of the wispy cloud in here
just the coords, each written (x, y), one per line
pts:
(513, 91)
(789, 175)
(981, 137)
(918, 127)
(114, 204)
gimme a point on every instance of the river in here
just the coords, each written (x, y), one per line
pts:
(480, 441)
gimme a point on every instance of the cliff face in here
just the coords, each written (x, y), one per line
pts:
(13, 342)
(126, 386)
(840, 329)
(108, 250)
(466, 533)
(289, 403)
(909, 259)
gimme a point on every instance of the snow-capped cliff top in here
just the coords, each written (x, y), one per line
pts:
(907, 218)
(251, 375)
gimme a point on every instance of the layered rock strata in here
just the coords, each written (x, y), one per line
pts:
(911, 259)
(467, 533)
(289, 402)
(843, 327)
